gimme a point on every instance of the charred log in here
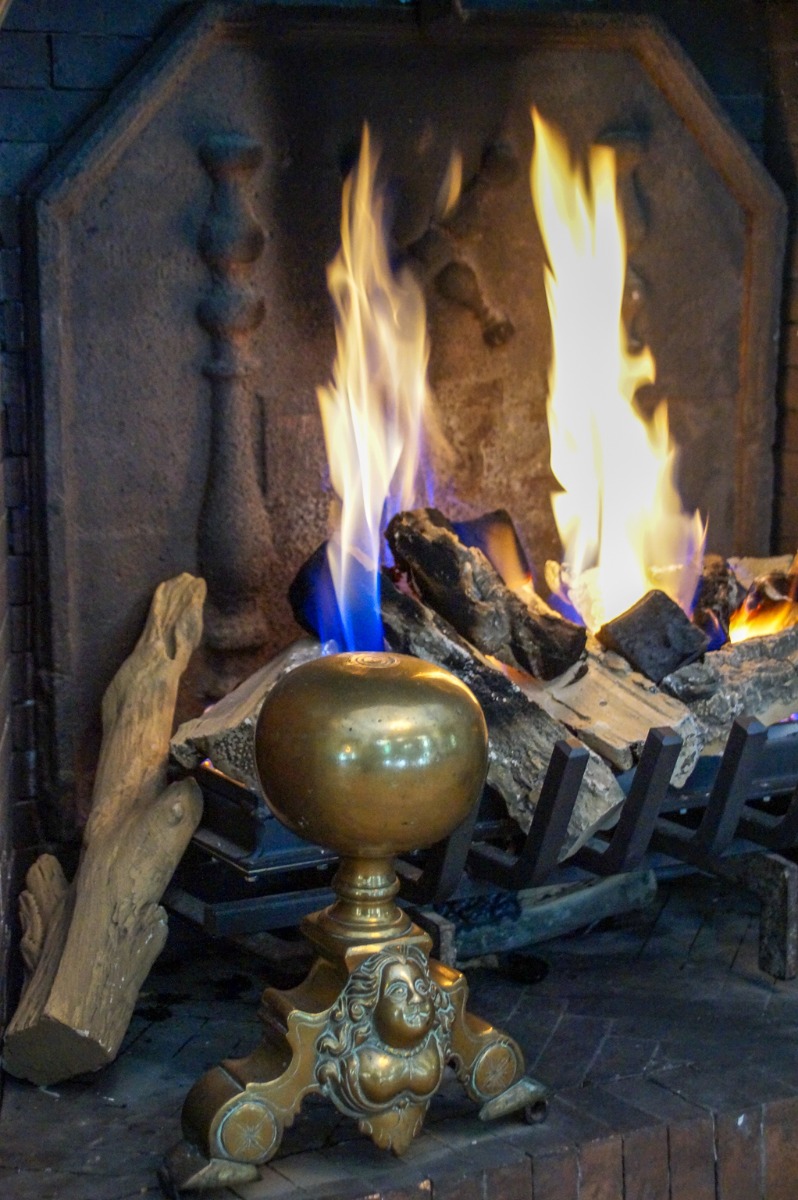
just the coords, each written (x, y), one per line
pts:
(655, 636)
(718, 595)
(460, 584)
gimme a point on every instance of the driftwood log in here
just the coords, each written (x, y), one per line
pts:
(460, 584)
(88, 946)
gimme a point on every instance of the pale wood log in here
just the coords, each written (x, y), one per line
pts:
(91, 944)
(612, 707)
(45, 890)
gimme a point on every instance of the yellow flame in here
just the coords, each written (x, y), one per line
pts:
(619, 515)
(762, 619)
(372, 410)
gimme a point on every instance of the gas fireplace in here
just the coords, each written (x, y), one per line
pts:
(184, 323)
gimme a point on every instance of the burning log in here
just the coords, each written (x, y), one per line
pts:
(460, 584)
(521, 734)
(758, 677)
(655, 636)
(769, 605)
(747, 569)
(89, 945)
(719, 594)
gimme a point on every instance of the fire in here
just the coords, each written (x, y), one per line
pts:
(373, 408)
(747, 623)
(767, 608)
(619, 514)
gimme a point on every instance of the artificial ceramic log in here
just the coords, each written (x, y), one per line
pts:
(89, 945)
(225, 733)
(757, 677)
(460, 584)
(612, 707)
(771, 603)
(747, 569)
(521, 735)
(654, 635)
(718, 594)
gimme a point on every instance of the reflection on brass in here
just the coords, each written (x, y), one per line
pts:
(367, 754)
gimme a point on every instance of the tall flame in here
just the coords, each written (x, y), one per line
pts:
(619, 515)
(372, 410)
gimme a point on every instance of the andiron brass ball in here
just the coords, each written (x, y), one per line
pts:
(371, 754)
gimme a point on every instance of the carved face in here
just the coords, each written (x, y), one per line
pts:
(404, 1012)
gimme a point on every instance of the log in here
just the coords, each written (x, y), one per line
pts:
(89, 945)
(654, 635)
(747, 569)
(460, 584)
(718, 594)
(542, 913)
(612, 707)
(757, 678)
(521, 735)
(495, 534)
(225, 733)
(770, 604)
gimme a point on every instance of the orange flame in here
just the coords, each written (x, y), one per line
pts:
(373, 409)
(764, 610)
(762, 620)
(619, 515)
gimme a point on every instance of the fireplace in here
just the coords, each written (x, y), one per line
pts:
(183, 322)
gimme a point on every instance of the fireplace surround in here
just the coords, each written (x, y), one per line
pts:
(182, 322)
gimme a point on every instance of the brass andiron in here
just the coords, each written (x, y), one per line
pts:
(371, 755)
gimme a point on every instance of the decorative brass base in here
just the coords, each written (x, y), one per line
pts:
(372, 1028)
(371, 755)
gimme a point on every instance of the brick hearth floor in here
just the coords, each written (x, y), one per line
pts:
(672, 1060)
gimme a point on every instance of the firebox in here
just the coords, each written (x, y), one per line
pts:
(184, 323)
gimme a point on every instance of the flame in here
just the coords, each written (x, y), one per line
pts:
(764, 611)
(373, 409)
(762, 620)
(619, 515)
